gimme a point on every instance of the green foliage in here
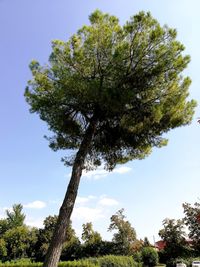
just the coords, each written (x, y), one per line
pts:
(18, 241)
(114, 261)
(137, 256)
(3, 250)
(192, 220)
(125, 236)
(4, 226)
(15, 217)
(127, 79)
(72, 250)
(44, 237)
(149, 256)
(89, 236)
(107, 261)
(174, 234)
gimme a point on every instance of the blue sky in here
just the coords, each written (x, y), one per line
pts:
(30, 173)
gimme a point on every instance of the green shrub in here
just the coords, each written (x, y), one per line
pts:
(137, 256)
(149, 256)
(80, 263)
(114, 261)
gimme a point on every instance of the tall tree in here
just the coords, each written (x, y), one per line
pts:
(108, 94)
(92, 241)
(125, 236)
(192, 220)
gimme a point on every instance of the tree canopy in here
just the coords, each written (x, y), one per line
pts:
(125, 78)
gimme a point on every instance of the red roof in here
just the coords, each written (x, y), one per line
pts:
(160, 244)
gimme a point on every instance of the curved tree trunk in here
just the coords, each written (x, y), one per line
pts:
(55, 248)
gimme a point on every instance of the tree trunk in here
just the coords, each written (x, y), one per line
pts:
(55, 248)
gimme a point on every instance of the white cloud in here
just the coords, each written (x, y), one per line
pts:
(1, 214)
(87, 214)
(101, 173)
(96, 174)
(35, 222)
(83, 200)
(56, 202)
(122, 170)
(105, 201)
(35, 205)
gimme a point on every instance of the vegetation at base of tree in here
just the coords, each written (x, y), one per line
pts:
(109, 94)
(115, 261)
(106, 261)
(18, 242)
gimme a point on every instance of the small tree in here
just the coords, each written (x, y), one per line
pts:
(18, 242)
(173, 234)
(109, 94)
(192, 220)
(125, 236)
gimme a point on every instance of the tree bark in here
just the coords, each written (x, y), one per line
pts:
(55, 248)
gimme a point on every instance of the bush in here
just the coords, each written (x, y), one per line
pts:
(137, 256)
(114, 261)
(80, 263)
(149, 256)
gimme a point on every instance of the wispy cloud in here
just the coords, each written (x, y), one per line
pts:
(93, 208)
(1, 213)
(37, 204)
(87, 214)
(35, 222)
(122, 170)
(101, 173)
(84, 200)
(106, 201)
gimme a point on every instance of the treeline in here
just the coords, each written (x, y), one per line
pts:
(17, 240)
